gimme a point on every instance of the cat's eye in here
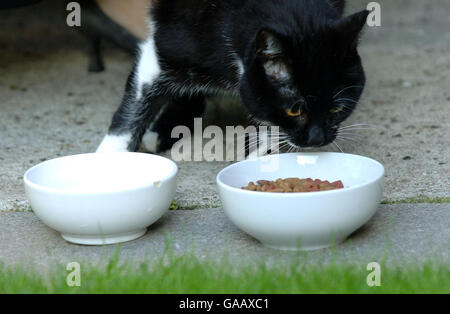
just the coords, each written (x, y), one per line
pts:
(337, 109)
(296, 109)
(294, 113)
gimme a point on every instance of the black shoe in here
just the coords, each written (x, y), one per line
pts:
(96, 26)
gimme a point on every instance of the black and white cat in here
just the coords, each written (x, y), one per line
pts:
(294, 64)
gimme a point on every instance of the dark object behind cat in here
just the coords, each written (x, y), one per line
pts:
(293, 62)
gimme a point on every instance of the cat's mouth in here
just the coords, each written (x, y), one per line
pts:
(295, 143)
(296, 147)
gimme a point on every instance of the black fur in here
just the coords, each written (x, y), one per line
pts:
(338, 5)
(296, 54)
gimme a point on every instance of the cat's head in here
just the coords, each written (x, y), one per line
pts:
(306, 83)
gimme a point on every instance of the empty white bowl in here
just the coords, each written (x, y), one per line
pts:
(302, 221)
(96, 199)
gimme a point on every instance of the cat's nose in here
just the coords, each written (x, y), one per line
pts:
(316, 136)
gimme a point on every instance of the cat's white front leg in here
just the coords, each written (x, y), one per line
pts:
(150, 141)
(115, 143)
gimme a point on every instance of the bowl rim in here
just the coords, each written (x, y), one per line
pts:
(304, 195)
(173, 172)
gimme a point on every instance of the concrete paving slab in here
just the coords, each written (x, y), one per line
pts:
(50, 106)
(397, 234)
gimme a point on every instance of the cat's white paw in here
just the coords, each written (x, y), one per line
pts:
(151, 141)
(114, 143)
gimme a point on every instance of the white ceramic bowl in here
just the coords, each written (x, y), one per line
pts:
(96, 199)
(302, 221)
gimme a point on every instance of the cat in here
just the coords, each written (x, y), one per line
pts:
(294, 64)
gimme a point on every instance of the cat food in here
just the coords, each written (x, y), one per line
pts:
(293, 185)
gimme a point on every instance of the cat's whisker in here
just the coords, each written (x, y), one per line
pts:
(284, 146)
(279, 147)
(351, 139)
(338, 146)
(280, 144)
(347, 139)
(353, 131)
(256, 137)
(350, 134)
(248, 145)
(357, 129)
(360, 125)
(345, 99)
(334, 146)
(349, 143)
(270, 142)
(346, 88)
(356, 136)
(290, 147)
(276, 149)
(294, 148)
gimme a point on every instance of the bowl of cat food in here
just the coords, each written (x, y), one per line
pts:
(97, 199)
(301, 201)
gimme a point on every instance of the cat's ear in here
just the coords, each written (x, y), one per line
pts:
(351, 26)
(270, 50)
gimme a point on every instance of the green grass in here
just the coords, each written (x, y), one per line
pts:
(187, 274)
(175, 206)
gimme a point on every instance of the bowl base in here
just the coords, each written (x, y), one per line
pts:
(103, 239)
(302, 248)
